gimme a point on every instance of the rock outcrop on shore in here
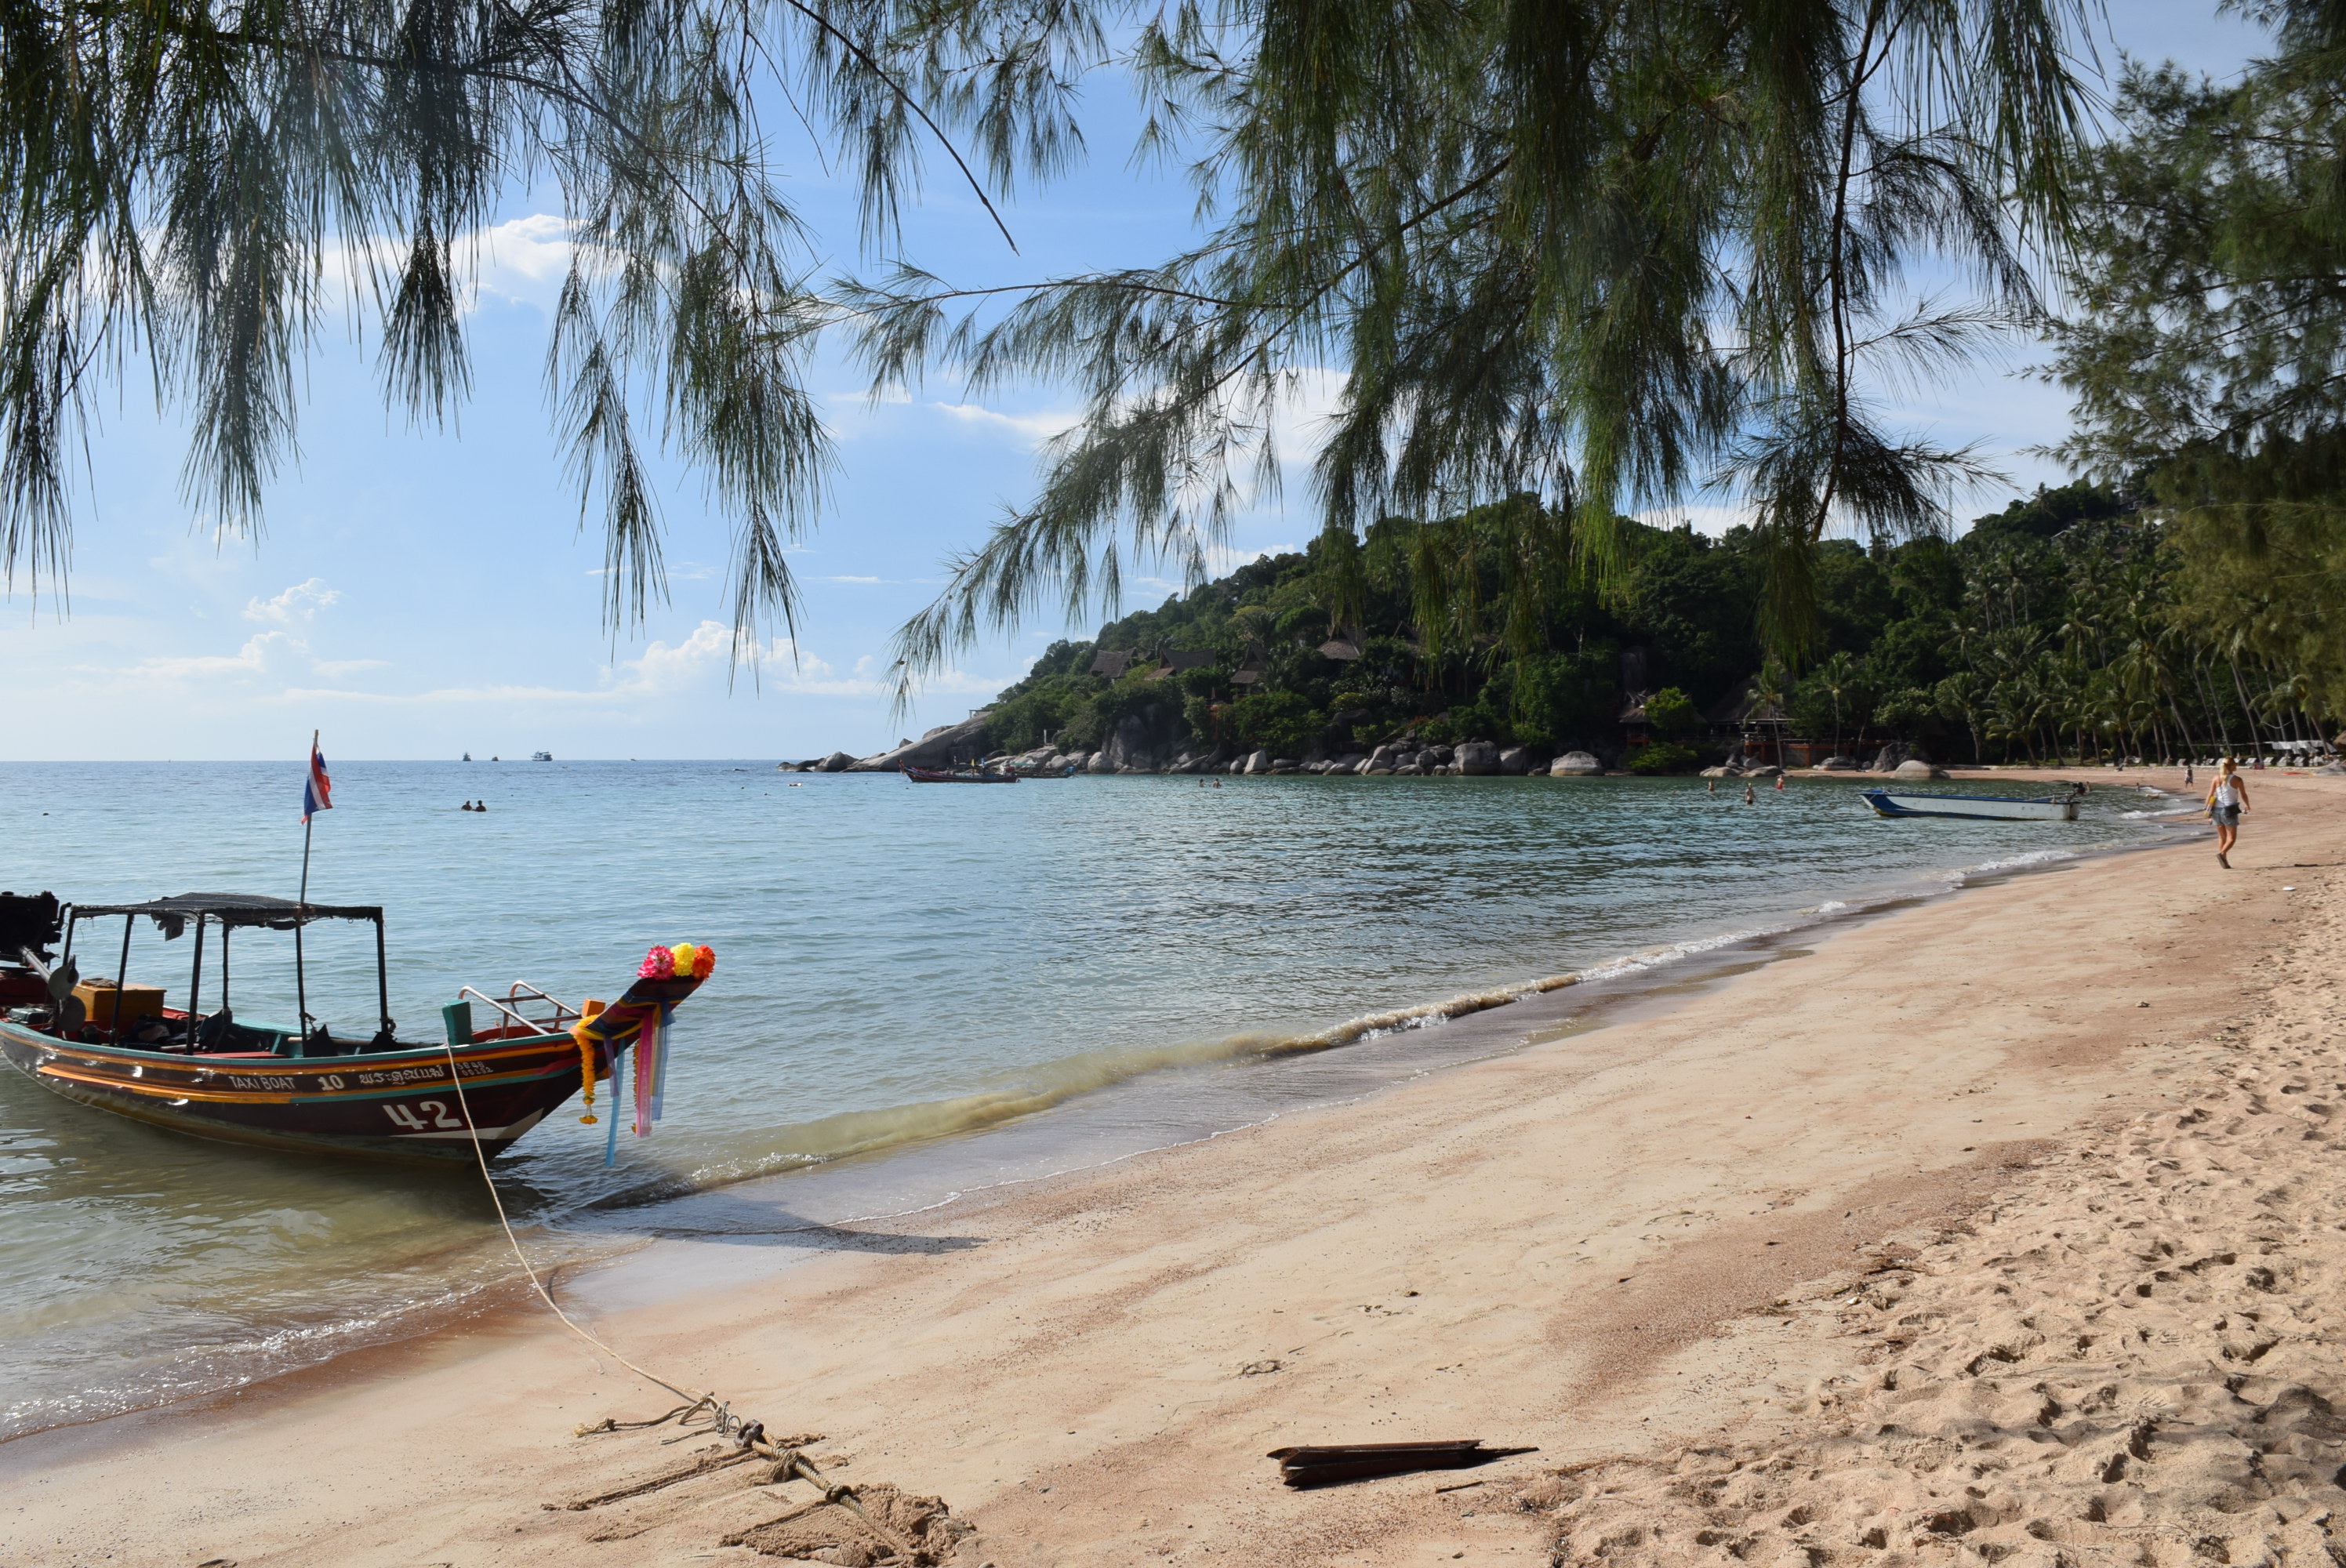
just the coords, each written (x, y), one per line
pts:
(940, 747)
(1150, 741)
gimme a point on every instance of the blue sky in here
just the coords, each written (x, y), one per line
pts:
(421, 593)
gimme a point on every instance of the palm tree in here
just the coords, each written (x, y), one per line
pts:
(1838, 676)
(1771, 690)
(1964, 696)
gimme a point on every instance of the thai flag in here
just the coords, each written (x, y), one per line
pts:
(317, 789)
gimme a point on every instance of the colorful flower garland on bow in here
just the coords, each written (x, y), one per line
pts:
(684, 961)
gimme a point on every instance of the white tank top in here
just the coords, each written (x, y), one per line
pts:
(2226, 795)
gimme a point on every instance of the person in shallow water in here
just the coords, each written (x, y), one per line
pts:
(1749, 798)
(2227, 797)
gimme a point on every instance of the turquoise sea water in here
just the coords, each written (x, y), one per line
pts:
(901, 969)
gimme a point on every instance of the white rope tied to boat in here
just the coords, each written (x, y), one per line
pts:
(750, 1435)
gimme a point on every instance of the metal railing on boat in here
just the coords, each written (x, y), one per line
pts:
(521, 993)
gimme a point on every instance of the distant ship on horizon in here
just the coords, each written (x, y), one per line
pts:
(541, 757)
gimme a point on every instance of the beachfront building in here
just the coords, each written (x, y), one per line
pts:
(1637, 728)
(1759, 732)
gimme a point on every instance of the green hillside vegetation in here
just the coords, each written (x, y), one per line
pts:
(2068, 626)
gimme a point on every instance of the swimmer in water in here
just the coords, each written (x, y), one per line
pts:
(1748, 798)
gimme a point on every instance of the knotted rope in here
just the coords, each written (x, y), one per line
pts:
(788, 1462)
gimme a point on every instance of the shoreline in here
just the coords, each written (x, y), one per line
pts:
(1505, 1018)
(1155, 1277)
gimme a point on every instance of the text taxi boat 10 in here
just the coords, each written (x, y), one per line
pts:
(114, 1045)
(1996, 807)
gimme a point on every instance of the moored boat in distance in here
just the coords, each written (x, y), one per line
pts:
(113, 1045)
(958, 776)
(1994, 807)
(541, 757)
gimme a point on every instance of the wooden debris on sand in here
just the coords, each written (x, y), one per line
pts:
(1320, 1464)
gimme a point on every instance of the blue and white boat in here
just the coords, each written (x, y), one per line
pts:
(1997, 807)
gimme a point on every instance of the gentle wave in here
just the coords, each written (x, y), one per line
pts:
(2014, 863)
(864, 1133)
(1050, 1084)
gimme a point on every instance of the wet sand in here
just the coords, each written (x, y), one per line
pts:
(1945, 1150)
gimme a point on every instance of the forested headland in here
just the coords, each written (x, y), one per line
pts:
(2184, 595)
(2069, 626)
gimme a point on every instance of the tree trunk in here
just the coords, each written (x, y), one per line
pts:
(2215, 708)
(2248, 713)
(2181, 728)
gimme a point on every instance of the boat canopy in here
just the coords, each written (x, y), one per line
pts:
(235, 910)
(241, 912)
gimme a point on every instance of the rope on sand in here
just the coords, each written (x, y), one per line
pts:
(788, 1462)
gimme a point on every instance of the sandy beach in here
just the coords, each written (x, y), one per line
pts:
(2002, 1224)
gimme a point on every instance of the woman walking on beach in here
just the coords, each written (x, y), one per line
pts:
(2227, 797)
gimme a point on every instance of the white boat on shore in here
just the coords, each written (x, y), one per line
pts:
(1997, 807)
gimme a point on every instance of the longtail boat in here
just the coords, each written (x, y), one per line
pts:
(305, 1087)
(958, 776)
(1997, 807)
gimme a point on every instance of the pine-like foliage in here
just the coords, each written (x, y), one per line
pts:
(2206, 348)
(187, 185)
(1604, 251)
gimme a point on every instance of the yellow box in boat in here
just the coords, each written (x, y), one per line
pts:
(137, 1001)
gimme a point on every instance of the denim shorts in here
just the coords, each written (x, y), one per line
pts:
(2225, 815)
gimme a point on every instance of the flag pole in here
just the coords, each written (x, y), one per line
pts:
(301, 981)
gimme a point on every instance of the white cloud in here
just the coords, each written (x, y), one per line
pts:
(1033, 429)
(1306, 407)
(264, 653)
(1308, 401)
(519, 262)
(300, 602)
(523, 261)
(277, 654)
(660, 669)
(699, 662)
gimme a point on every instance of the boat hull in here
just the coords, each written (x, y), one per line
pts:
(400, 1105)
(1992, 808)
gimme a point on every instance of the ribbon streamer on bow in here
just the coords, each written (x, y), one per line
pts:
(639, 1018)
